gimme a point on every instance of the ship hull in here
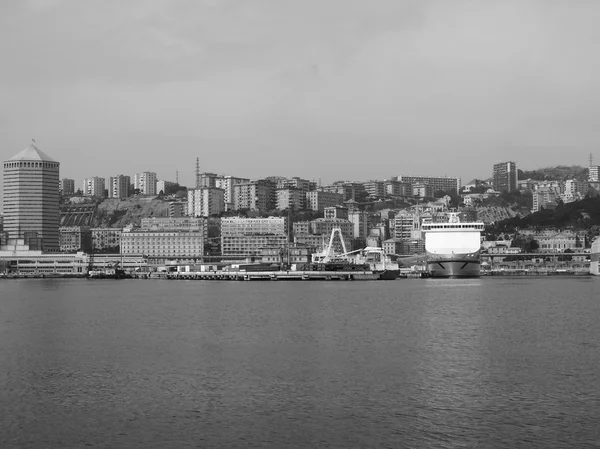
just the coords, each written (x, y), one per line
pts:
(454, 267)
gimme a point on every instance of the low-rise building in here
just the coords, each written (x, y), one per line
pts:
(158, 245)
(241, 246)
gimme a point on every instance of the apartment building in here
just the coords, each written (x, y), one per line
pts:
(192, 224)
(375, 189)
(256, 195)
(227, 183)
(442, 183)
(106, 238)
(94, 186)
(164, 186)
(145, 182)
(421, 190)
(206, 201)
(292, 199)
(340, 212)
(318, 200)
(67, 186)
(253, 226)
(594, 173)
(505, 177)
(119, 186)
(160, 245)
(542, 197)
(74, 238)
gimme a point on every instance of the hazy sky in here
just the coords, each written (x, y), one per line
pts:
(330, 89)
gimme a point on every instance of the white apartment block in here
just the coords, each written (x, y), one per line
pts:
(206, 201)
(573, 187)
(594, 175)
(145, 182)
(93, 187)
(318, 200)
(542, 197)
(119, 186)
(163, 244)
(436, 182)
(255, 195)
(253, 226)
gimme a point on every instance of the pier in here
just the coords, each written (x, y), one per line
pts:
(276, 276)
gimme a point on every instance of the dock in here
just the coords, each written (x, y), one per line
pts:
(276, 276)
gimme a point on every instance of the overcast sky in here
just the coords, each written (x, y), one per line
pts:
(322, 89)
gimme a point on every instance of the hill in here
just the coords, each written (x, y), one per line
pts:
(558, 173)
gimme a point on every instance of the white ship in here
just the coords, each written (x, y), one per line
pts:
(595, 257)
(453, 247)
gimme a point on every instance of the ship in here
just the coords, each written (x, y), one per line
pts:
(595, 257)
(371, 259)
(453, 247)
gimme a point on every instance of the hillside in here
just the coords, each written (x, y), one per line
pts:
(116, 213)
(559, 173)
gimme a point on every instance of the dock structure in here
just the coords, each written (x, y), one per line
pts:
(276, 276)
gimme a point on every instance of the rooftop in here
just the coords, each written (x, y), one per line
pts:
(31, 153)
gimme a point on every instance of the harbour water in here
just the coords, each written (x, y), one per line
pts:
(489, 362)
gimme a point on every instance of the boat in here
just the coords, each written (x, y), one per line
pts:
(595, 257)
(370, 259)
(453, 247)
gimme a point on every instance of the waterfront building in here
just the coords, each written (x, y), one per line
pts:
(93, 186)
(157, 245)
(318, 200)
(292, 199)
(145, 183)
(559, 241)
(67, 186)
(253, 226)
(595, 257)
(256, 196)
(392, 246)
(206, 201)
(242, 246)
(505, 177)
(119, 186)
(31, 199)
(106, 239)
(301, 227)
(443, 183)
(310, 240)
(74, 238)
(298, 254)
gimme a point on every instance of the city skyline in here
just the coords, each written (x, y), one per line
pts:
(335, 90)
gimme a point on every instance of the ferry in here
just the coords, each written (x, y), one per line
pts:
(595, 257)
(453, 248)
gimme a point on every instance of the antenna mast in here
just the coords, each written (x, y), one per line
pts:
(591, 160)
(177, 176)
(197, 172)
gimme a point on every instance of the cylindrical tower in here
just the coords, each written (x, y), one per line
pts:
(31, 199)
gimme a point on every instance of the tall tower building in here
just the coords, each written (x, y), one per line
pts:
(31, 198)
(505, 177)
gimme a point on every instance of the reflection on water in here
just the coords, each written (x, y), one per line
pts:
(410, 363)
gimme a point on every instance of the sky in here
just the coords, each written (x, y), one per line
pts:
(321, 89)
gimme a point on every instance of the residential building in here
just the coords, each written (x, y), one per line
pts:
(320, 199)
(206, 201)
(348, 189)
(296, 183)
(340, 212)
(253, 226)
(542, 197)
(164, 186)
(397, 188)
(375, 189)
(505, 177)
(106, 239)
(256, 195)
(298, 254)
(292, 199)
(594, 173)
(94, 186)
(325, 226)
(360, 224)
(74, 238)
(31, 199)
(145, 183)
(422, 190)
(119, 186)
(67, 186)
(178, 208)
(301, 227)
(227, 183)
(208, 180)
(442, 183)
(574, 187)
(316, 241)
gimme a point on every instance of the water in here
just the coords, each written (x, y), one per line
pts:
(491, 362)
